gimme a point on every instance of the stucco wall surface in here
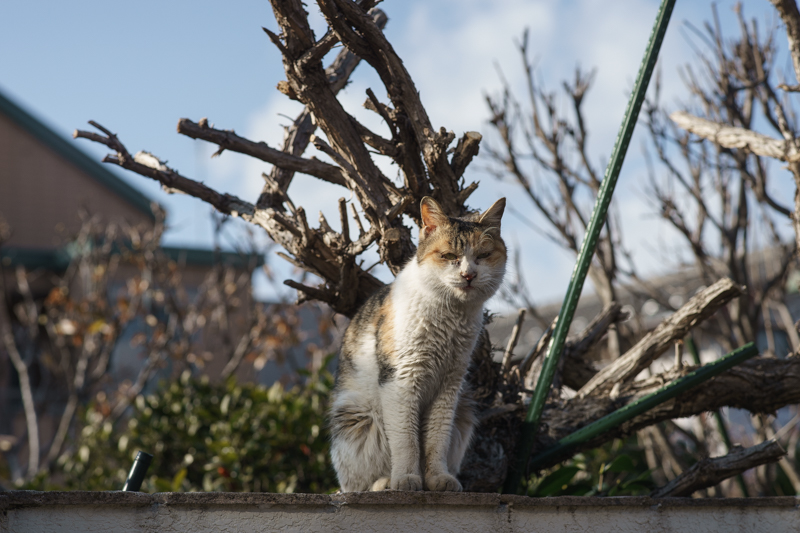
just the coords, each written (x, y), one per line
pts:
(89, 512)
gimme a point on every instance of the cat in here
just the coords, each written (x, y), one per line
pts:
(401, 416)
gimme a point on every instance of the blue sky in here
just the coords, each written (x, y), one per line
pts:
(138, 67)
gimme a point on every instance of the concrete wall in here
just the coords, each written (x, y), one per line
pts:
(420, 512)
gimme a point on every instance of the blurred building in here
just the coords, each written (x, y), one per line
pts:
(45, 182)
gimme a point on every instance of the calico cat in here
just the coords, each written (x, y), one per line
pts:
(401, 416)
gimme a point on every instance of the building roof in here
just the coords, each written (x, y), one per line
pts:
(203, 257)
(58, 259)
(69, 151)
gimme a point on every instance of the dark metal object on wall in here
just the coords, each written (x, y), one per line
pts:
(138, 471)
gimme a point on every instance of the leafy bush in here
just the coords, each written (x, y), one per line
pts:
(618, 468)
(210, 437)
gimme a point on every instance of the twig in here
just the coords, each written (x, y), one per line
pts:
(783, 463)
(466, 149)
(318, 51)
(63, 427)
(309, 292)
(357, 219)
(512, 341)
(467, 191)
(536, 351)
(710, 472)
(26, 391)
(238, 354)
(343, 219)
(363, 242)
(398, 208)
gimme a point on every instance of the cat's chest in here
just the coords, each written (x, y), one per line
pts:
(434, 334)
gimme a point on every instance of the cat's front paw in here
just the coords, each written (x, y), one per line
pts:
(442, 482)
(407, 482)
(381, 484)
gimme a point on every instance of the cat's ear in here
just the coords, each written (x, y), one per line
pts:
(491, 217)
(432, 216)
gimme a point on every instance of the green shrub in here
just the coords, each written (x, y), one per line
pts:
(210, 437)
(618, 468)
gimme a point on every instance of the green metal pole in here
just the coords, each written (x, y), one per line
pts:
(531, 423)
(721, 427)
(642, 405)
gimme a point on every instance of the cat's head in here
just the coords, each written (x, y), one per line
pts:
(464, 257)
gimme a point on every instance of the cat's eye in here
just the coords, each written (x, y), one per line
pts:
(484, 255)
(450, 257)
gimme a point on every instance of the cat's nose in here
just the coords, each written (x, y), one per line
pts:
(469, 276)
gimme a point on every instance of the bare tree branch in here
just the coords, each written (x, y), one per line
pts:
(575, 370)
(760, 385)
(700, 307)
(228, 140)
(466, 150)
(360, 34)
(787, 9)
(307, 245)
(710, 472)
(31, 419)
(299, 133)
(732, 137)
(512, 341)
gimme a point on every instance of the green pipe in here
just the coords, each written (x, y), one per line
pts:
(642, 405)
(531, 423)
(721, 427)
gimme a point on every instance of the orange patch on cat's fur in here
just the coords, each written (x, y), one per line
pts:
(437, 243)
(386, 334)
(433, 255)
